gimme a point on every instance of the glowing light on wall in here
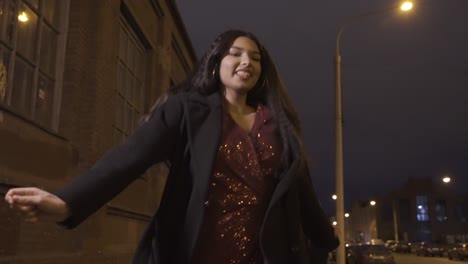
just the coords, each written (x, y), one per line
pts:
(23, 17)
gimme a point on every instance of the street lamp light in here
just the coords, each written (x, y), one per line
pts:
(339, 129)
(446, 179)
(406, 6)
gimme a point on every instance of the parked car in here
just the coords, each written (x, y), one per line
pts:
(390, 244)
(369, 254)
(429, 249)
(332, 255)
(402, 247)
(458, 251)
(377, 241)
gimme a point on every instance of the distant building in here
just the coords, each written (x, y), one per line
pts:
(420, 210)
(75, 77)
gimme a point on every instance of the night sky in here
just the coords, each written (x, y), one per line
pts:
(405, 83)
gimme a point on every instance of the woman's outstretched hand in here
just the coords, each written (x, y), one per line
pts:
(37, 205)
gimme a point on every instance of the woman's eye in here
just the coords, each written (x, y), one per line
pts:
(235, 54)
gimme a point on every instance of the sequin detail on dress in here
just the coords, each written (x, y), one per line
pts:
(239, 192)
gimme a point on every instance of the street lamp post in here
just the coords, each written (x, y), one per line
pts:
(395, 221)
(340, 253)
(347, 227)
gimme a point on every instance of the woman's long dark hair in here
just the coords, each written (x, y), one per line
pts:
(269, 90)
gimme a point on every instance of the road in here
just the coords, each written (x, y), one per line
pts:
(413, 259)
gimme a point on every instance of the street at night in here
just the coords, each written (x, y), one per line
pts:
(413, 259)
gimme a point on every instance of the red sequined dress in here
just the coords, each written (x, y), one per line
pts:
(239, 192)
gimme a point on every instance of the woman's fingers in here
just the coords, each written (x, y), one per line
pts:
(31, 200)
(14, 195)
(23, 191)
(29, 213)
(32, 214)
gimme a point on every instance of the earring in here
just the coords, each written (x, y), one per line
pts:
(213, 73)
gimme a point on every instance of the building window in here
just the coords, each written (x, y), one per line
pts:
(461, 210)
(441, 211)
(130, 82)
(422, 209)
(32, 38)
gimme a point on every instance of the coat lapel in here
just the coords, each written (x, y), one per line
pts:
(205, 119)
(204, 131)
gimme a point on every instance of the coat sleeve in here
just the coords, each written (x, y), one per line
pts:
(152, 142)
(316, 225)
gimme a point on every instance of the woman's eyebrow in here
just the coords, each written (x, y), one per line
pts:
(242, 49)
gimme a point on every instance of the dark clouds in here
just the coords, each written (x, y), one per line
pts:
(405, 83)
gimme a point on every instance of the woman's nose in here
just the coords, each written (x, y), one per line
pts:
(245, 60)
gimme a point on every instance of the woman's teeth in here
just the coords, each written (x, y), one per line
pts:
(244, 74)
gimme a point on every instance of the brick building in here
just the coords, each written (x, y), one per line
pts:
(75, 76)
(423, 209)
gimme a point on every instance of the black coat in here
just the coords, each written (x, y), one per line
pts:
(186, 130)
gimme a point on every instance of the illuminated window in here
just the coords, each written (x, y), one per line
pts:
(422, 209)
(31, 39)
(130, 88)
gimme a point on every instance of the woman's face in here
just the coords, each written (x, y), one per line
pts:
(240, 68)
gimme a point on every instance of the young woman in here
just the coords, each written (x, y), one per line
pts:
(238, 190)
